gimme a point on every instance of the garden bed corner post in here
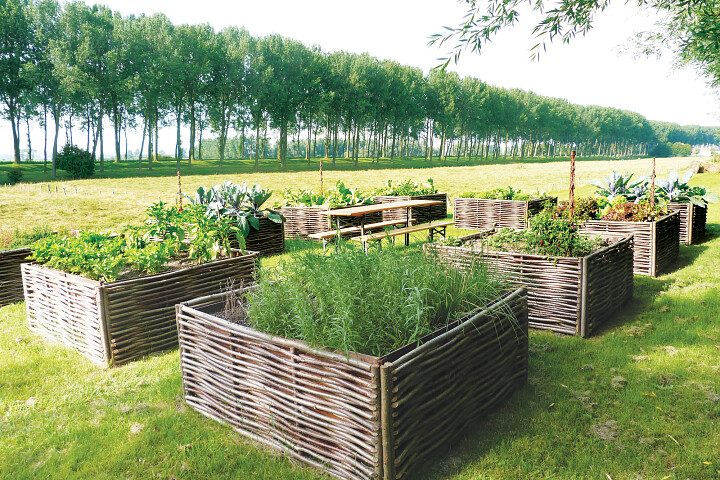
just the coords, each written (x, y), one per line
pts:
(386, 428)
(104, 323)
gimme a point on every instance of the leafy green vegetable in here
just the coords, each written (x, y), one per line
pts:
(407, 188)
(504, 193)
(617, 185)
(674, 189)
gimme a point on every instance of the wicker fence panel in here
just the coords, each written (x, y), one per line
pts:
(65, 308)
(320, 408)
(554, 287)
(609, 283)
(269, 239)
(486, 214)
(356, 417)
(420, 214)
(442, 385)
(11, 287)
(693, 219)
(303, 221)
(654, 249)
(133, 317)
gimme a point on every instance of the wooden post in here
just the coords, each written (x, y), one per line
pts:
(321, 177)
(179, 193)
(652, 187)
(571, 192)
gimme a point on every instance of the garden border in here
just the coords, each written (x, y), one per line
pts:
(118, 322)
(11, 287)
(693, 219)
(487, 214)
(354, 416)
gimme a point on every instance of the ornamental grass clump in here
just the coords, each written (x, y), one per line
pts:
(368, 303)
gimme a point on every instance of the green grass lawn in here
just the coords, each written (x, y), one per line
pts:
(638, 400)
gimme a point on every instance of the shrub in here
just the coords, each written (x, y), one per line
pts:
(14, 175)
(77, 162)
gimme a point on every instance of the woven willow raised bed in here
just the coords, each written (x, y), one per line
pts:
(269, 239)
(303, 221)
(419, 214)
(656, 244)
(692, 221)
(11, 288)
(487, 214)
(354, 416)
(117, 322)
(571, 295)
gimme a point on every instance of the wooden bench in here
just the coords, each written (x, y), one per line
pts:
(346, 231)
(432, 228)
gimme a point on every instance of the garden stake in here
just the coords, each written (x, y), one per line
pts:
(652, 187)
(179, 193)
(571, 193)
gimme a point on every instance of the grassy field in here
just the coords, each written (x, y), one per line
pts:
(639, 400)
(113, 202)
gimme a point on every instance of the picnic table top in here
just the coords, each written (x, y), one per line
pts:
(379, 207)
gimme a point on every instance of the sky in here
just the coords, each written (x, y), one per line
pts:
(591, 70)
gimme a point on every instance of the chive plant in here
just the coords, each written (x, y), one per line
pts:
(368, 303)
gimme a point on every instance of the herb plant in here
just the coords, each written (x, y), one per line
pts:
(368, 303)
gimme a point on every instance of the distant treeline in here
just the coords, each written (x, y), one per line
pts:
(71, 65)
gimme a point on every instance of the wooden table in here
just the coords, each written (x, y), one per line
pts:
(362, 210)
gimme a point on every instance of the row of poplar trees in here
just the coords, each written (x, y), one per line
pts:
(73, 65)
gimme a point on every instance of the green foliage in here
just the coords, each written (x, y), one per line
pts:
(676, 189)
(367, 303)
(14, 175)
(238, 203)
(20, 239)
(633, 212)
(615, 185)
(407, 187)
(549, 235)
(76, 161)
(342, 196)
(300, 198)
(586, 208)
(503, 193)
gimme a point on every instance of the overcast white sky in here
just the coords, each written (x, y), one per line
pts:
(588, 71)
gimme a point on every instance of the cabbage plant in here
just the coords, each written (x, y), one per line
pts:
(676, 189)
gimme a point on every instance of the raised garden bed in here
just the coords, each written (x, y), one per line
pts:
(354, 416)
(11, 287)
(656, 243)
(117, 322)
(692, 221)
(571, 295)
(269, 239)
(303, 221)
(487, 214)
(419, 214)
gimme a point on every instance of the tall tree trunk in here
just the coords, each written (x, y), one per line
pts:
(45, 109)
(150, 137)
(191, 150)
(102, 147)
(117, 127)
(27, 125)
(178, 144)
(257, 145)
(56, 117)
(156, 120)
(309, 138)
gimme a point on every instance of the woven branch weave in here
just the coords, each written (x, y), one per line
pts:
(355, 416)
(11, 288)
(656, 244)
(303, 221)
(119, 322)
(420, 214)
(693, 219)
(565, 294)
(486, 214)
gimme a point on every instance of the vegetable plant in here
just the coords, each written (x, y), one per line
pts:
(676, 189)
(616, 185)
(407, 187)
(504, 193)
